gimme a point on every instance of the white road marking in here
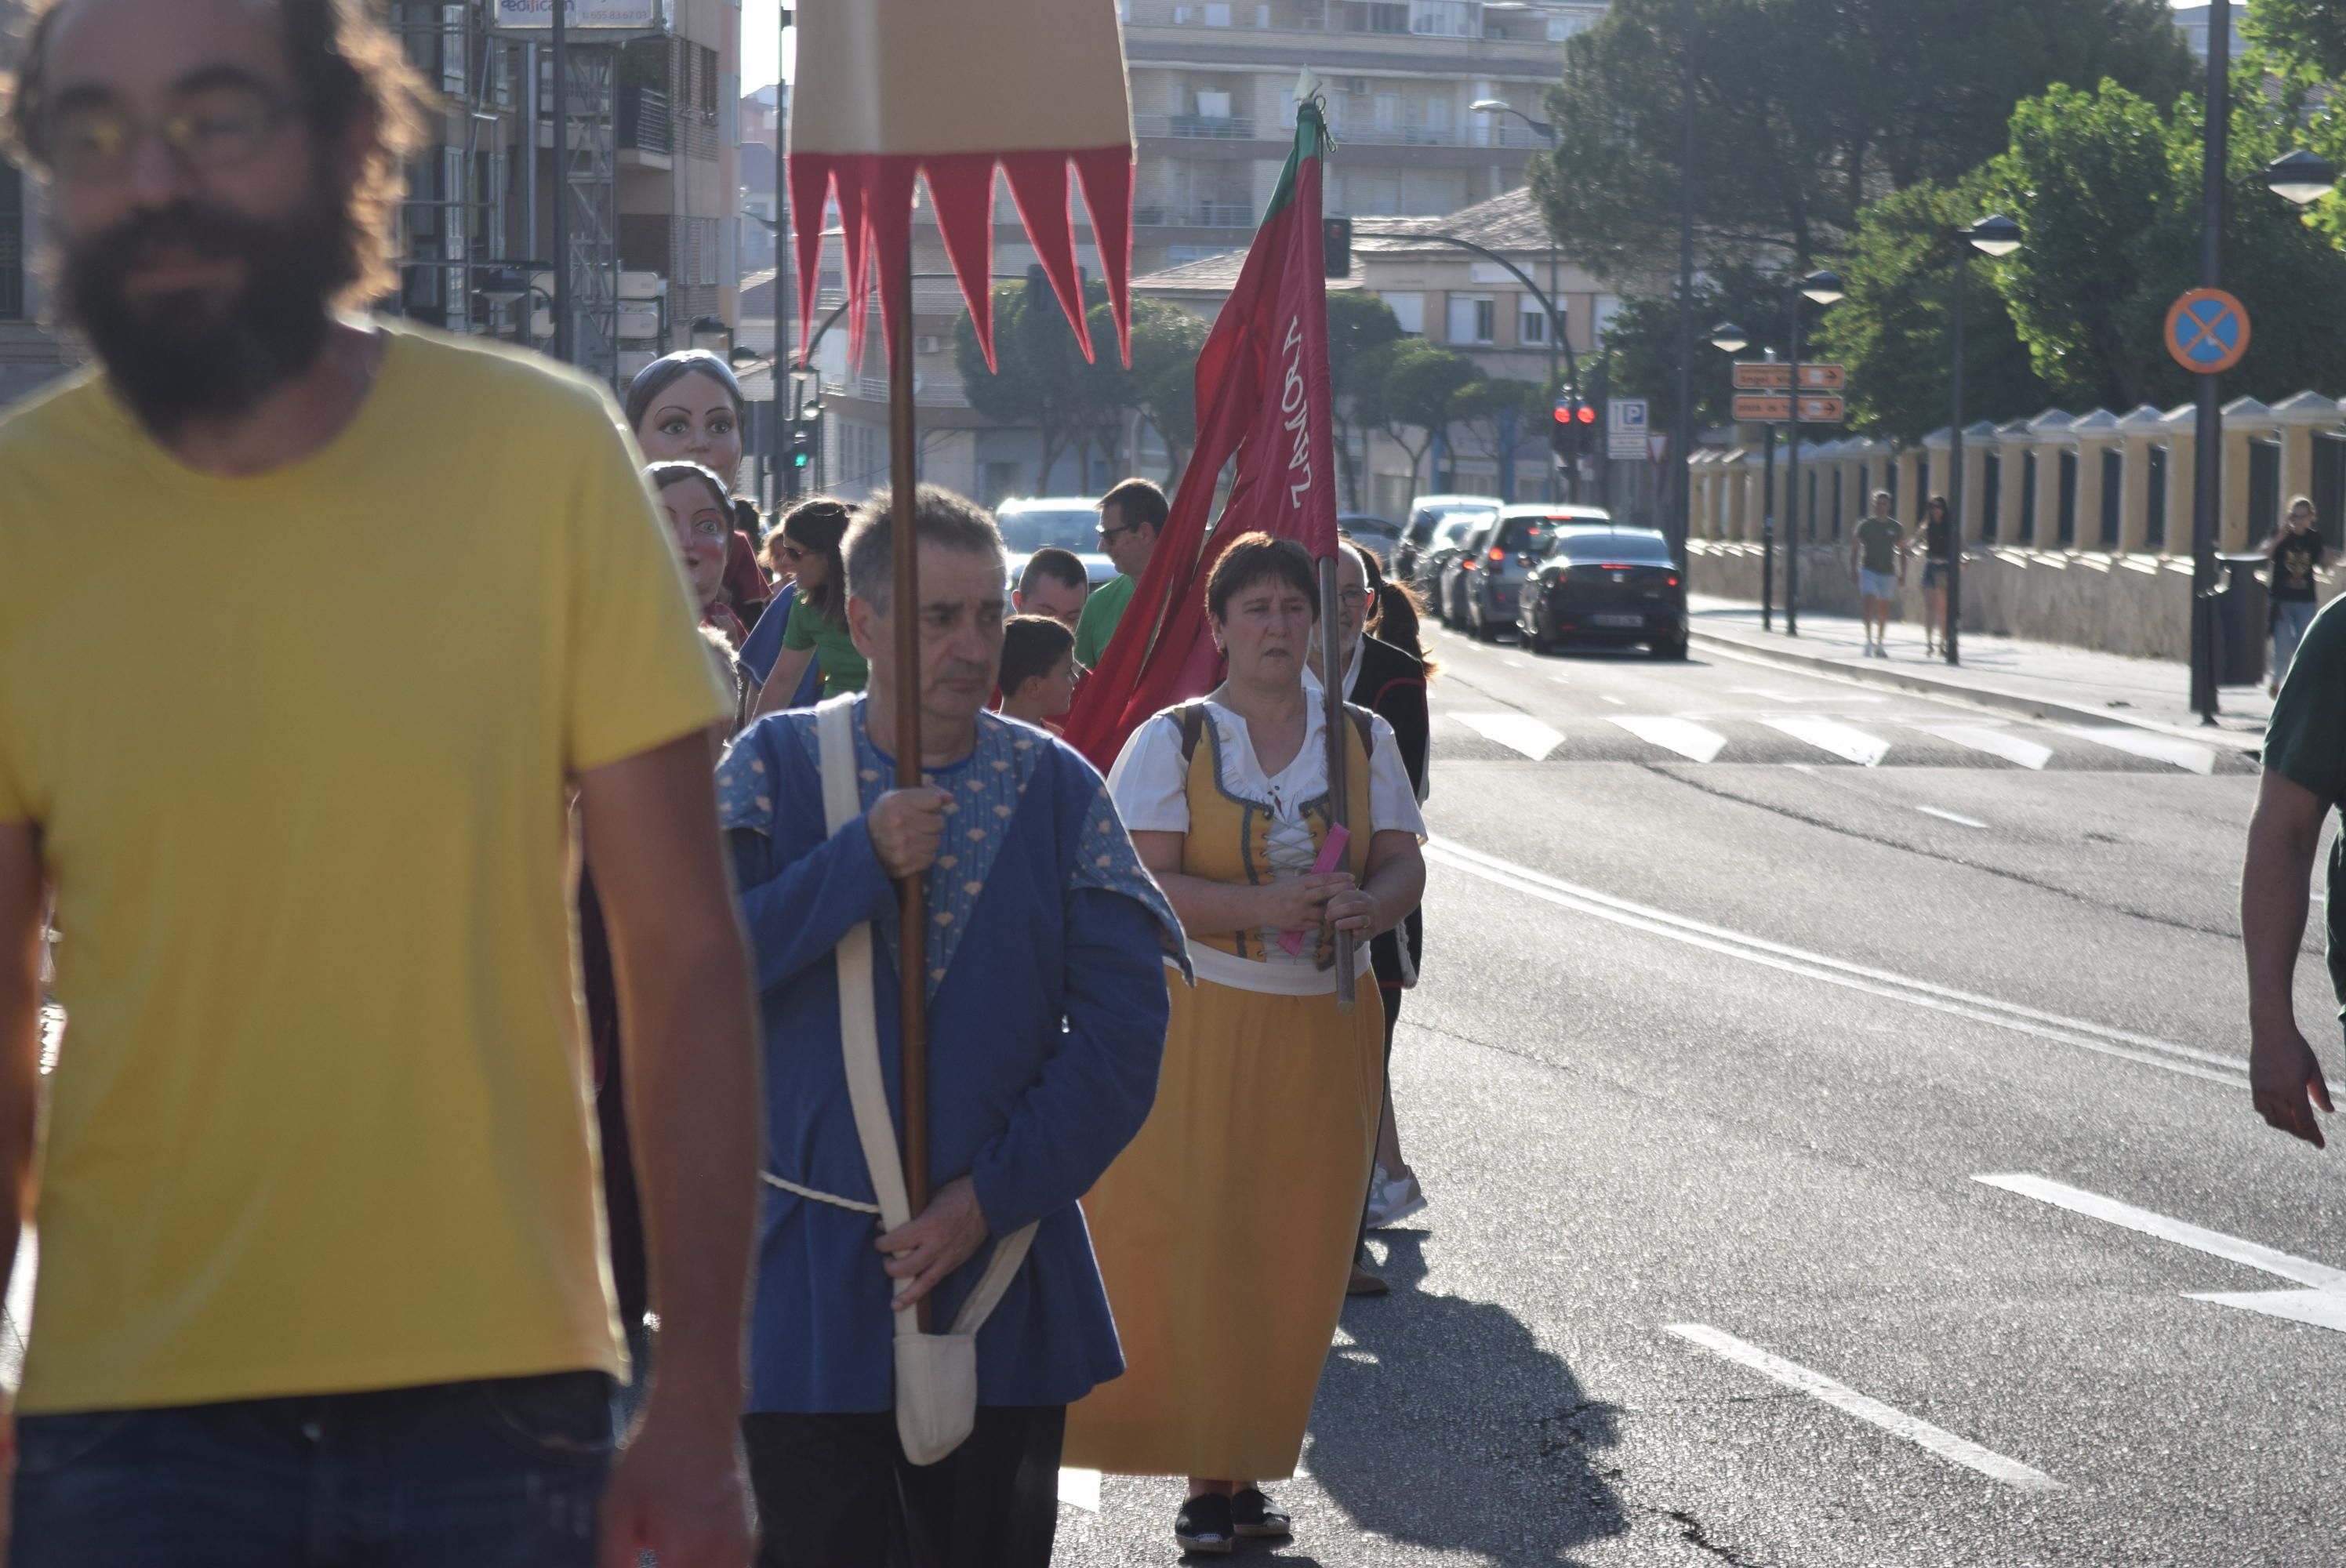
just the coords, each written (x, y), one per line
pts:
(1613, 699)
(1516, 731)
(2145, 1049)
(1950, 816)
(1684, 737)
(1896, 1422)
(2320, 1309)
(1771, 694)
(1081, 1488)
(1514, 664)
(1831, 735)
(2181, 1232)
(1994, 742)
(2142, 743)
(1561, 679)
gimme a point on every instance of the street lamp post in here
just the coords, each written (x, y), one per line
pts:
(1993, 236)
(1823, 289)
(1546, 132)
(1680, 515)
(1730, 338)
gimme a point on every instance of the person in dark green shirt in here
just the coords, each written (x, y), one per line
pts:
(2305, 777)
(1131, 518)
(816, 628)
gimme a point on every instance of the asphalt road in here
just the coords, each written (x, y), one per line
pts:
(1739, 981)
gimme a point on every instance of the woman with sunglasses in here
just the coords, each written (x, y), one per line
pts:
(816, 627)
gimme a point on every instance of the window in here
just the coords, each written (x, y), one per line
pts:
(12, 242)
(1992, 496)
(706, 61)
(2028, 498)
(1437, 118)
(2113, 491)
(1531, 324)
(2264, 489)
(1446, 18)
(1388, 111)
(1262, 17)
(1213, 105)
(2154, 522)
(1218, 15)
(1559, 28)
(1409, 310)
(1471, 318)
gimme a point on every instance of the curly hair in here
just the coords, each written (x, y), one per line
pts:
(347, 69)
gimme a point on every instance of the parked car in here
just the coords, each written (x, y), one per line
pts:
(1426, 516)
(1070, 522)
(1441, 547)
(1489, 573)
(1616, 585)
(1378, 535)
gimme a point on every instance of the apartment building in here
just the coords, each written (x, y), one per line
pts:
(1213, 104)
(30, 354)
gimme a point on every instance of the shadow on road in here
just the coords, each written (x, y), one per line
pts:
(1446, 1426)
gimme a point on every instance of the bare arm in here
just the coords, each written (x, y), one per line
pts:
(24, 902)
(693, 1105)
(2283, 838)
(1396, 885)
(782, 680)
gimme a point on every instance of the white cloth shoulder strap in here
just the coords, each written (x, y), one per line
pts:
(859, 1033)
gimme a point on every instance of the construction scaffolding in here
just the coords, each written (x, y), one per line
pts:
(479, 241)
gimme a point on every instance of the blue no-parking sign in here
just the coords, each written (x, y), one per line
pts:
(2208, 332)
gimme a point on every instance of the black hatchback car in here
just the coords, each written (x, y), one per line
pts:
(1613, 586)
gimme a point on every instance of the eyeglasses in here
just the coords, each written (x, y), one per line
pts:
(1353, 599)
(1107, 533)
(217, 126)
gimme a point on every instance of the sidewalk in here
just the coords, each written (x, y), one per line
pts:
(2044, 680)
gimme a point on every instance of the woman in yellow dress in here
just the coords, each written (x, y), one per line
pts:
(1224, 1230)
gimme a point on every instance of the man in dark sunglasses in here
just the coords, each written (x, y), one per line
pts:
(1131, 515)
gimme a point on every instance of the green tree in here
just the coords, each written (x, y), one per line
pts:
(2107, 190)
(2312, 32)
(1040, 377)
(1405, 388)
(1357, 322)
(1892, 330)
(1807, 109)
(1163, 381)
(1482, 413)
(1643, 339)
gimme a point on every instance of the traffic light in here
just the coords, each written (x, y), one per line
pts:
(1568, 435)
(1336, 247)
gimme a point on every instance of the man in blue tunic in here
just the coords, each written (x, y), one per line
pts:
(1045, 959)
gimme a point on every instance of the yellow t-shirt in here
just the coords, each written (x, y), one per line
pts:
(298, 745)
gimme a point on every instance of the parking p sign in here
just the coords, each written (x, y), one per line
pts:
(1624, 427)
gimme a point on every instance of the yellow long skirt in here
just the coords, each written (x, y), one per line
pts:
(1225, 1233)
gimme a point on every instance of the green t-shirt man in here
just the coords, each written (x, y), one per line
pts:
(1102, 613)
(1877, 539)
(2306, 744)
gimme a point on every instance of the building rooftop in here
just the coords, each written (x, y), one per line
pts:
(1507, 222)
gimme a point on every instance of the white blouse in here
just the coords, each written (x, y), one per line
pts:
(1150, 783)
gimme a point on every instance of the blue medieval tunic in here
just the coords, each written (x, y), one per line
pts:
(1048, 1006)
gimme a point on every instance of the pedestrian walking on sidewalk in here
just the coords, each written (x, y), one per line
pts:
(1225, 1231)
(320, 1271)
(2297, 553)
(2304, 779)
(1938, 532)
(1047, 959)
(1876, 564)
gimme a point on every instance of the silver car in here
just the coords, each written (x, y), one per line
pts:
(1483, 587)
(1069, 521)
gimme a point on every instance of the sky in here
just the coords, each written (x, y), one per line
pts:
(759, 41)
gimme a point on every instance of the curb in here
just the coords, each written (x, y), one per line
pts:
(1984, 696)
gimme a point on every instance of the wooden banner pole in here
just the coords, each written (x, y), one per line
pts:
(912, 893)
(1339, 800)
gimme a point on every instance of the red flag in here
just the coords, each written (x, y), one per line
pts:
(1263, 394)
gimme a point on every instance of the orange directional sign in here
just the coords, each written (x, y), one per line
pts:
(1767, 375)
(1776, 408)
(2208, 332)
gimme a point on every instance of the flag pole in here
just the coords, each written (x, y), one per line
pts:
(1340, 798)
(911, 900)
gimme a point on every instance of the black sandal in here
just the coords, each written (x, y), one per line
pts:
(1256, 1516)
(1203, 1525)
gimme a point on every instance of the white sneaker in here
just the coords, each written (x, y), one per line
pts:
(1396, 1201)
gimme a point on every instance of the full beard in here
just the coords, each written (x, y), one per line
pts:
(177, 357)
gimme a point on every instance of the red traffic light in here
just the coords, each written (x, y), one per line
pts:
(1564, 414)
(1585, 414)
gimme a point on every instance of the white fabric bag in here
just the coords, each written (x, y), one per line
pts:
(936, 1374)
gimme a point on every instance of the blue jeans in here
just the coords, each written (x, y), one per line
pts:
(506, 1473)
(2289, 619)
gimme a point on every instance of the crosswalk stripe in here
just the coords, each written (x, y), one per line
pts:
(1830, 735)
(1994, 742)
(2142, 743)
(1516, 731)
(1683, 736)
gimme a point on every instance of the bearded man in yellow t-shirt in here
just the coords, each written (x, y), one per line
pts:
(320, 1266)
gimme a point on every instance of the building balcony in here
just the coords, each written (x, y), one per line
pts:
(1201, 128)
(1194, 215)
(645, 128)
